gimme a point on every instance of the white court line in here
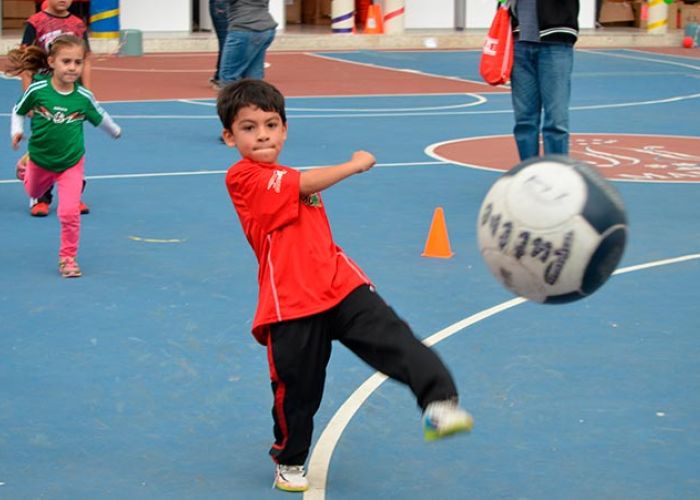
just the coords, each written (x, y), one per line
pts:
(430, 151)
(646, 59)
(478, 100)
(323, 450)
(400, 70)
(221, 172)
(402, 114)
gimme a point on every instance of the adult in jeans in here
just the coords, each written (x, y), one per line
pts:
(251, 30)
(545, 32)
(218, 10)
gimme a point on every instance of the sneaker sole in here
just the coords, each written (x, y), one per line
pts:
(293, 489)
(433, 435)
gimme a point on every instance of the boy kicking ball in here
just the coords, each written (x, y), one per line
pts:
(310, 292)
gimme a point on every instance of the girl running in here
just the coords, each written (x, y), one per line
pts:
(54, 19)
(59, 106)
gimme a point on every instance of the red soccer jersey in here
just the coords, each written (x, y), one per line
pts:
(43, 28)
(301, 270)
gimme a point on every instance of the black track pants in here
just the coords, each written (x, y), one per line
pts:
(298, 353)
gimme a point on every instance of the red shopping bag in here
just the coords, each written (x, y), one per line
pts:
(497, 53)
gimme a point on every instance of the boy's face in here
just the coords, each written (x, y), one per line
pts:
(59, 6)
(258, 135)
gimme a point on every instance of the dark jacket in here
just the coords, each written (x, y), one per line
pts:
(558, 20)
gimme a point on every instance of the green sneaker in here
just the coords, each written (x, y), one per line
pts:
(444, 418)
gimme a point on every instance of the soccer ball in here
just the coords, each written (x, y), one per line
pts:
(552, 229)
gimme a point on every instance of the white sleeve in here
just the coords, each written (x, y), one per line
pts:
(108, 125)
(17, 126)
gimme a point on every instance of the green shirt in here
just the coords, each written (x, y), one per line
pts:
(57, 142)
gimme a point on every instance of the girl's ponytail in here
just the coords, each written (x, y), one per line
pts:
(30, 58)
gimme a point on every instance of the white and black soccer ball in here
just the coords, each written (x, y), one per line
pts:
(552, 229)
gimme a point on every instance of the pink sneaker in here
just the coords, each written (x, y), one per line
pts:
(68, 267)
(21, 167)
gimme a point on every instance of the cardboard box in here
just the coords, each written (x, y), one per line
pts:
(616, 12)
(292, 10)
(16, 9)
(16, 12)
(689, 14)
(673, 15)
(325, 9)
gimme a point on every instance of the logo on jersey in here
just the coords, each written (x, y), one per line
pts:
(275, 181)
(59, 117)
(313, 200)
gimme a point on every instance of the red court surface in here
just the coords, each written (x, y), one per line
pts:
(185, 76)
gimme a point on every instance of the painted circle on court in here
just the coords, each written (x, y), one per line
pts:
(620, 157)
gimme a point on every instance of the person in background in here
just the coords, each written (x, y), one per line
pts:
(545, 32)
(218, 10)
(41, 29)
(59, 105)
(251, 30)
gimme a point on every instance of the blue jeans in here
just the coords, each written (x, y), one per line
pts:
(218, 10)
(541, 81)
(244, 54)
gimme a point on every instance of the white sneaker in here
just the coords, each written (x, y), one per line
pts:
(291, 478)
(444, 418)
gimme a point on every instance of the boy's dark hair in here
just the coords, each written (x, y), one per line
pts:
(248, 92)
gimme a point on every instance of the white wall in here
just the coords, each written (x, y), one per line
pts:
(436, 14)
(156, 15)
(176, 15)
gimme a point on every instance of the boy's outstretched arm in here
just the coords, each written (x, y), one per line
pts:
(318, 179)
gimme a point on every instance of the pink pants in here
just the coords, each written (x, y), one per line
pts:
(70, 184)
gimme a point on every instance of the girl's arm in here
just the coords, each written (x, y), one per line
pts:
(26, 78)
(17, 128)
(318, 179)
(86, 77)
(108, 125)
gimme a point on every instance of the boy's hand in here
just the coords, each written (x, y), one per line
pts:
(363, 160)
(16, 139)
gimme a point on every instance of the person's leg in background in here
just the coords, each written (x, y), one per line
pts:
(236, 56)
(218, 11)
(556, 62)
(36, 179)
(40, 207)
(527, 101)
(259, 43)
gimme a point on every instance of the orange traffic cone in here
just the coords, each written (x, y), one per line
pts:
(374, 24)
(438, 242)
